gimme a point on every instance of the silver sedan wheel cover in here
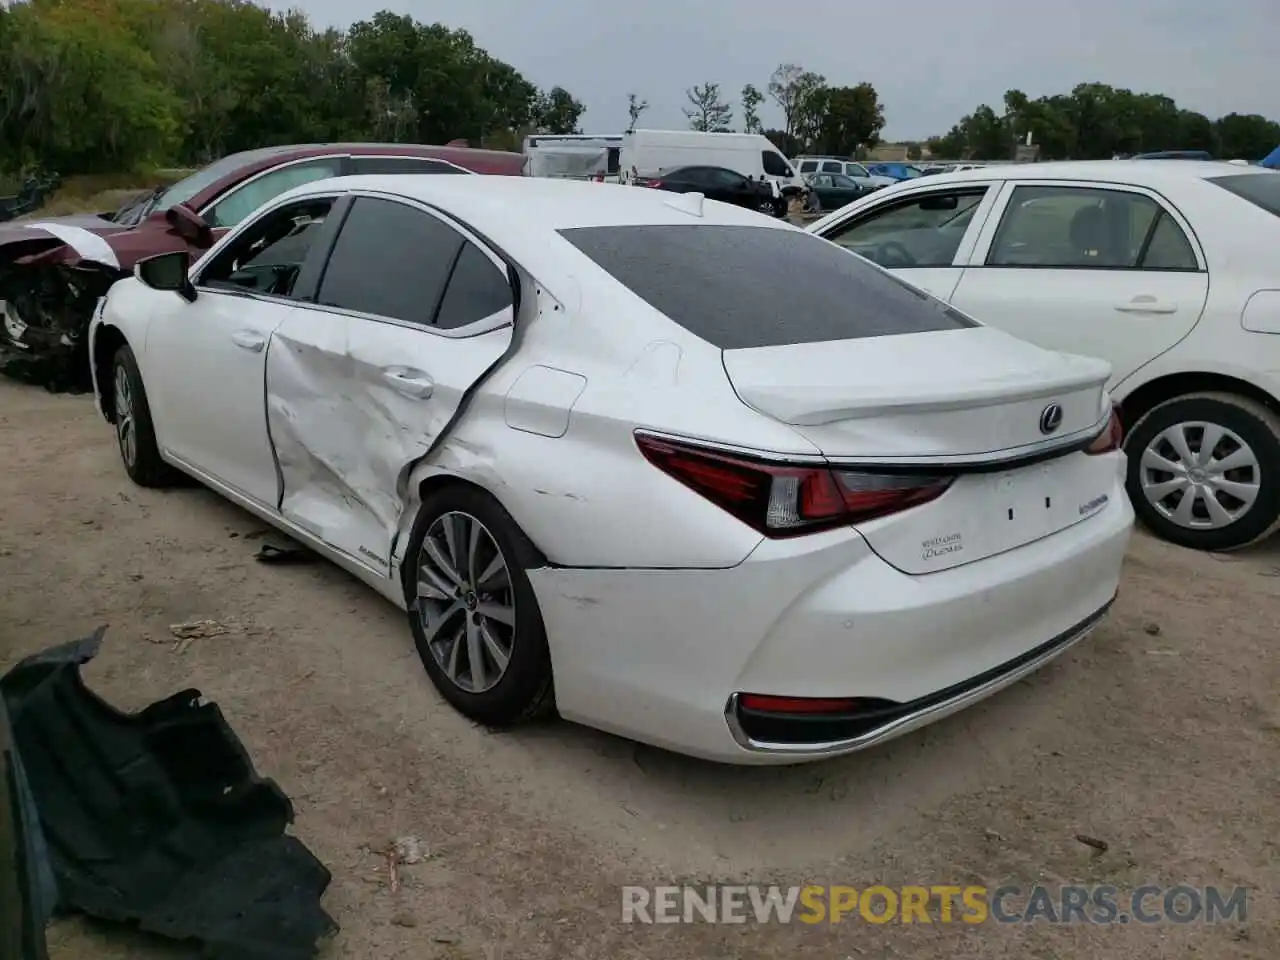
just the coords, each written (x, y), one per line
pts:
(1200, 475)
(126, 425)
(466, 602)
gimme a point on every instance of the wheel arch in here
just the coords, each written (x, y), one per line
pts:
(1150, 395)
(107, 340)
(434, 484)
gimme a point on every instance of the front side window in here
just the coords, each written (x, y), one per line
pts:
(248, 197)
(774, 165)
(833, 166)
(727, 178)
(924, 231)
(390, 260)
(855, 170)
(268, 255)
(1071, 227)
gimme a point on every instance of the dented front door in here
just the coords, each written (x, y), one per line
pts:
(411, 314)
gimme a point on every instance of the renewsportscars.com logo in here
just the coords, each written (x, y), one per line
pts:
(934, 904)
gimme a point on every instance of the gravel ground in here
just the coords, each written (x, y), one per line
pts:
(1160, 735)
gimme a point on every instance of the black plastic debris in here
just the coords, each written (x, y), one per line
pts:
(282, 550)
(158, 818)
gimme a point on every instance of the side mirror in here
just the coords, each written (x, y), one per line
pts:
(168, 272)
(189, 225)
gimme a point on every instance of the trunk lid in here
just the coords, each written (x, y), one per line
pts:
(955, 399)
(950, 394)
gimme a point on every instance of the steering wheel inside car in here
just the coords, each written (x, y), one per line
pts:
(892, 254)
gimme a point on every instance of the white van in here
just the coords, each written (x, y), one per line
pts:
(647, 153)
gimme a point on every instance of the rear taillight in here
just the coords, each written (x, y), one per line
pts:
(786, 500)
(650, 183)
(1110, 438)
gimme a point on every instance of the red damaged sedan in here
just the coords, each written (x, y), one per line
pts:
(52, 271)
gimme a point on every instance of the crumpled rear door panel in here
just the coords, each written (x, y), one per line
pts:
(351, 403)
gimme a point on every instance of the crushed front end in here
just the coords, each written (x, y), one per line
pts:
(46, 308)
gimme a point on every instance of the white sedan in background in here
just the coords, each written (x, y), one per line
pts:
(676, 469)
(1170, 271)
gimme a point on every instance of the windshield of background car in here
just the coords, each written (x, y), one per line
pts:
(1260, 189)
(739, 287)
(185, 189)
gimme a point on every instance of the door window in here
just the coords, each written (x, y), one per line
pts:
(1088, 228)
(267, 256)
(855, 170)
(243, 200)
(727, 178)
(924, 231)
(390, 260)
(833, 166)
(774, 165)
(477, 290)
(397, 165)
(808, 166)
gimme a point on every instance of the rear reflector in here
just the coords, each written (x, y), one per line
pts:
(1109, 439)
(786, 500)
(768, 704)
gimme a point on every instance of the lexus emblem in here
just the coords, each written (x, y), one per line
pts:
(1050, 418)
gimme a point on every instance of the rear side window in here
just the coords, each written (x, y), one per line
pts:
(833, 166)
(1260, 189)
(390, 260)
(808, 166)
(739, 287)
(477, 289)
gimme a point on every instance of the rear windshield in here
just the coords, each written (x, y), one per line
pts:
(738, 287)
(1261, 189)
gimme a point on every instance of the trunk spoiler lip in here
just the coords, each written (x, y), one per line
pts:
(1010, 458)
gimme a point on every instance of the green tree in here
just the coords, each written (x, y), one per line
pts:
(751, 100)
(793, 89)
(557, 111)
(706, 111)
(842, 119)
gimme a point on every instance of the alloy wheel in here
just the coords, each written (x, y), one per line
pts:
(126, 427)
(466, 602)
(1200, 475)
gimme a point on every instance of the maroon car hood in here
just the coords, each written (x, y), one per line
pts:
(76, 239)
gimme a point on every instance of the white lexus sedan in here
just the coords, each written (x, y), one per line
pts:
(1168, 270)
(672, 468)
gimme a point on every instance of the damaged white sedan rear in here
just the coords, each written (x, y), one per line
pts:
(671, 468)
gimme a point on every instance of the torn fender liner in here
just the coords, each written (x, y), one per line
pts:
(159, 818)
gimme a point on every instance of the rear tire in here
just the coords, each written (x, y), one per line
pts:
(1229, 508)
(135, 433)
(473, 612)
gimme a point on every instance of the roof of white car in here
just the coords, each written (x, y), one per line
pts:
(489, 202)
(1151, 173)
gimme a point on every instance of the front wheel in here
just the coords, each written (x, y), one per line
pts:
(135, 433)
(1204, 471)
(474, 615)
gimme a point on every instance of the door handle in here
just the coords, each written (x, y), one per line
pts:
(1145, 304)
(411, 383)
(249, 340)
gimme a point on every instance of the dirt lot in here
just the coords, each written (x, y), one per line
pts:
(1159, 735)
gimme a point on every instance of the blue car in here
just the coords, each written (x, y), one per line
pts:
(899, 171)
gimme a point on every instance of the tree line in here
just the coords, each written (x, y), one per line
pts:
(91, 86)
(1094, 121)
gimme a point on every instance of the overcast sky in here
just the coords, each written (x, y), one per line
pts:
(932, 61)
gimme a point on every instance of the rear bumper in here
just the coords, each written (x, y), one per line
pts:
(658, 655)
